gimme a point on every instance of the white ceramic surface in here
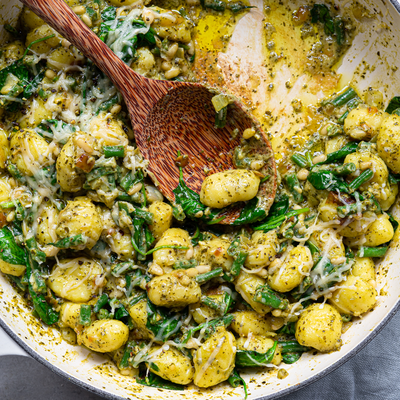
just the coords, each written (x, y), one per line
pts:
(380, 33)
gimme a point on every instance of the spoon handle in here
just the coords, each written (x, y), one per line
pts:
(60, 17)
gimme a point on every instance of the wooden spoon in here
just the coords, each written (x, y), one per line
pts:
(167, 116)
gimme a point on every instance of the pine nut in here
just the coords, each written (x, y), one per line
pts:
(115, 109)
(50, 74)
(166, 65)
(192, 272)
(303, 174)
(79, 10)
(249, 133)
(189, 253)
(276, 313)
(191, 48)
(202, 269)
(155, 269)
(318, 159)
(365, 165)
(66, 43)
(263, 273)
(172, 73)
(86, 20)
(11, 216)
(135, 188)
(80, 142)
(256, 165)
(338, 260)
(172, 50)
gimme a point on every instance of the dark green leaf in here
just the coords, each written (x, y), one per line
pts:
(153, 380)
(393, 105)
(249, 358)
(72, 241)
(325, 180)
(9, 251)
(235, 380)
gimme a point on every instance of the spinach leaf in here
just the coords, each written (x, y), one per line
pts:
(290, 358)
(9, 251)
(153, 380)
(69, 242)
(250, 358)
(279, 207)
(188, 199)
(275, 222)
(325, 180)
(250, 213)
(45, 311)
(163, 323)
(235, 380)
(393, 105)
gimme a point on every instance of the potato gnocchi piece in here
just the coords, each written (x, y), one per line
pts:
(69, 176)
(364, 268)
(247, 284)
(215, 359)
(30, 20)
(225, 188)
(379, 184)
(290, 274)
(171, 364)
(29, 152)
(173, 290)
(329, 241)
(5, 188)
(215, 253)
(248, 323)
(138, 313)
(359, 226)
(354, 296)
(80, 217)
(75, 279)
(107, 131)
(171, 237)
(63, 57)
(162, 218)
(104, 336)
(42, 32)
(70, 315)
(46, 229)
(363, 122)
(145, 61)
(379, 232)
(262, 249)
(320, 327)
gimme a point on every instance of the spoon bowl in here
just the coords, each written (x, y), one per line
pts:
(169, 116)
